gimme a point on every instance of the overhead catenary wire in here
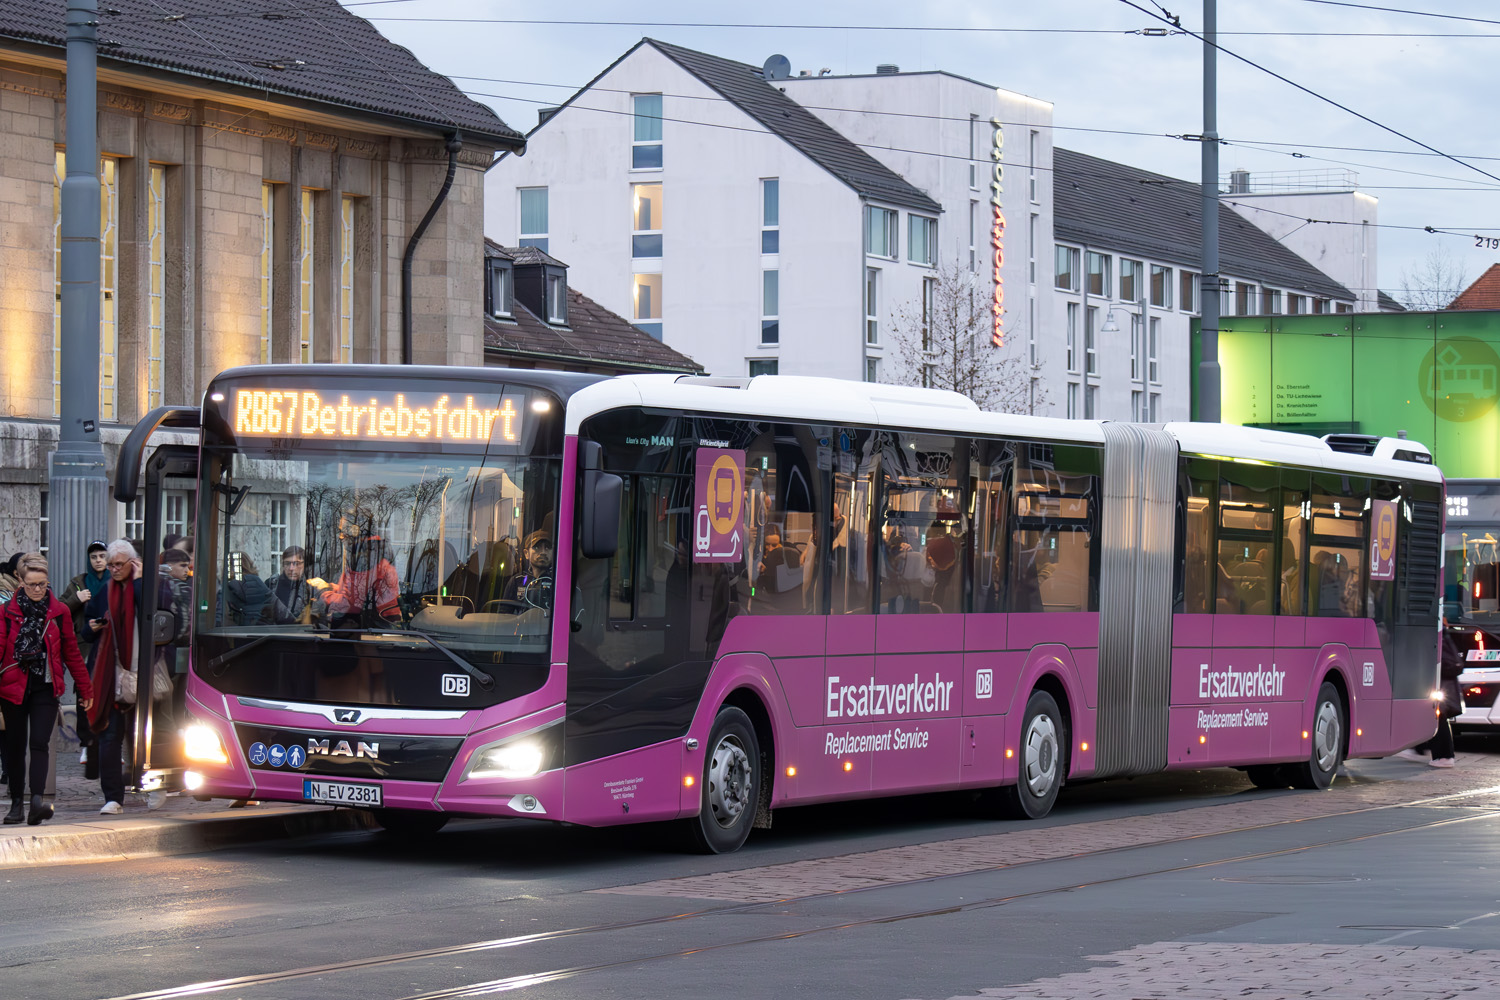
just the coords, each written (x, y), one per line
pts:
(1322, 97)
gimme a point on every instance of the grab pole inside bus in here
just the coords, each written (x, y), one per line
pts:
(166, 460)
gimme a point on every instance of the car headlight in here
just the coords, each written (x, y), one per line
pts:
(202, 743)
(521, 759)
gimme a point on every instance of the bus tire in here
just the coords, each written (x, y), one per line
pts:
(1268, 776)
(729, 788)
(1044, 760)
(408, 822)
(1327, 742)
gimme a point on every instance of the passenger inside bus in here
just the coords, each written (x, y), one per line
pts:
(367, 593)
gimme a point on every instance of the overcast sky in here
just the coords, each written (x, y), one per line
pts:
(1439, 90)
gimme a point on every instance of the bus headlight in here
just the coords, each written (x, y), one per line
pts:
(521, 759)
(202, 743)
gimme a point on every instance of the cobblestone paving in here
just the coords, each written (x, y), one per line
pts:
(1474, 783)
(1187, 971)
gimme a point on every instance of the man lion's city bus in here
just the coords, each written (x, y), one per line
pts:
(436, 592)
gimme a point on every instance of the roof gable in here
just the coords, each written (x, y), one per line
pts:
(313, 51)
(1483, 294)
(1123, 209)
(743, 86)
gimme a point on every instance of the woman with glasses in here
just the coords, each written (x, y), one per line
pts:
(36, 642)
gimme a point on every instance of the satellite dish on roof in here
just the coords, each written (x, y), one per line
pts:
(778, 67)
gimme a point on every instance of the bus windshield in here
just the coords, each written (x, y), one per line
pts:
(419, 547)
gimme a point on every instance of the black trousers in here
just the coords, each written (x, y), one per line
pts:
(29, 722)
(1441, 743)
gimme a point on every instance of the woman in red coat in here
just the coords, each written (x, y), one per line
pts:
(36, 642)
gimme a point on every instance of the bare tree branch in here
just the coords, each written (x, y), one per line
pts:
(943, 341)
(1435, 283)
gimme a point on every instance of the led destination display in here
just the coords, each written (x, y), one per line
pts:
(402, 416)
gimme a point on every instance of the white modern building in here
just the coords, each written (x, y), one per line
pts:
(760, 220)
(1342, 243)
(757, 234)
(1126, 283)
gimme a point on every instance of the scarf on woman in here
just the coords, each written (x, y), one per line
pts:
(113, 650)
(31, 646)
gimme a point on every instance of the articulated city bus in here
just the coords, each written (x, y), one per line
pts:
(438, 592)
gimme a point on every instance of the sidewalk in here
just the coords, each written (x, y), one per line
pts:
(183, 825)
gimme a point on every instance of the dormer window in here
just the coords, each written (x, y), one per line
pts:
(500, 293)
(557, 299)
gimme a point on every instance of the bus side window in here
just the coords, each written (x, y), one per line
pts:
(1291, 559)
(1198, 483)
(1247, 539)
(1336, 549)
(1054, 563)
(991, 506)
(922, 531)
(784, 493)
(851, 543)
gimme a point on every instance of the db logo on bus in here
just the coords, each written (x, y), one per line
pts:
(456, 685)
(984, 683)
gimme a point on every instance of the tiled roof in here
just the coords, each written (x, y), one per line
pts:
(312, 50)
(1387, 303)
(593, 338)
(743, 86)
(1122, 209)
(1483, 294)
(525, 255)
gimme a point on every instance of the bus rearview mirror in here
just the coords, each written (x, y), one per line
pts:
(599, 510)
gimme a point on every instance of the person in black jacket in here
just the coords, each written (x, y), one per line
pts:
(1452, 706)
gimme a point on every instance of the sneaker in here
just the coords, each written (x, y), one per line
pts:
(111, 809)
(155, 800)
(1412, 755)
(83, 756)
(1440, 762)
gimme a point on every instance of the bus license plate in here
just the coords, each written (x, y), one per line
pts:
(340, 793)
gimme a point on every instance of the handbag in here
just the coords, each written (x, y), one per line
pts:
(1453, 698)
(126, 684)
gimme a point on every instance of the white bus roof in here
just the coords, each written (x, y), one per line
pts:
(841, 401)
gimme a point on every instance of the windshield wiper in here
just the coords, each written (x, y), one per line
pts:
(484, 680)
(223, 658)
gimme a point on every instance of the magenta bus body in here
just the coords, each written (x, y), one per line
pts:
(929, 623)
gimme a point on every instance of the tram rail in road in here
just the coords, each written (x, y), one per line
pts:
(1215, 846)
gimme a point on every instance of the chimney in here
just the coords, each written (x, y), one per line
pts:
(887, 69)
(1239, 182)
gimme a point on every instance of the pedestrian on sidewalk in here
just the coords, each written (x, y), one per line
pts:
(36, 643)
(8, 582)
(118, 650)
(1450, 707)
(84, 596)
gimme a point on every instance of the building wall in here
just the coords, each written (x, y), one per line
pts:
(213, 158)
(711, 263)
(1347, 251)
(934, 129)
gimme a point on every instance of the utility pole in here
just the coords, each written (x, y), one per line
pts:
(1208, 257)
(78, 487)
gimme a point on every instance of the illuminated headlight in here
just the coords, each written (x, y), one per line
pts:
(192, 780)
(202, 743)
(521, 759)
(1437, 695)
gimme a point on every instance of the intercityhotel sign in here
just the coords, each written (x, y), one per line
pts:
(997, 231)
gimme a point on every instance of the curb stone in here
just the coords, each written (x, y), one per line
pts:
(147, 837)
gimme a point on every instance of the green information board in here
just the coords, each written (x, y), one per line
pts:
(1435, 376)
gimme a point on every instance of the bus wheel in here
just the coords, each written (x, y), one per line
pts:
(730, 786)
(1043, 760)
(1327, 742)
(1268, 776)
(408, 823)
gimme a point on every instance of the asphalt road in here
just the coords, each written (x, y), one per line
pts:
(1174, 885)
